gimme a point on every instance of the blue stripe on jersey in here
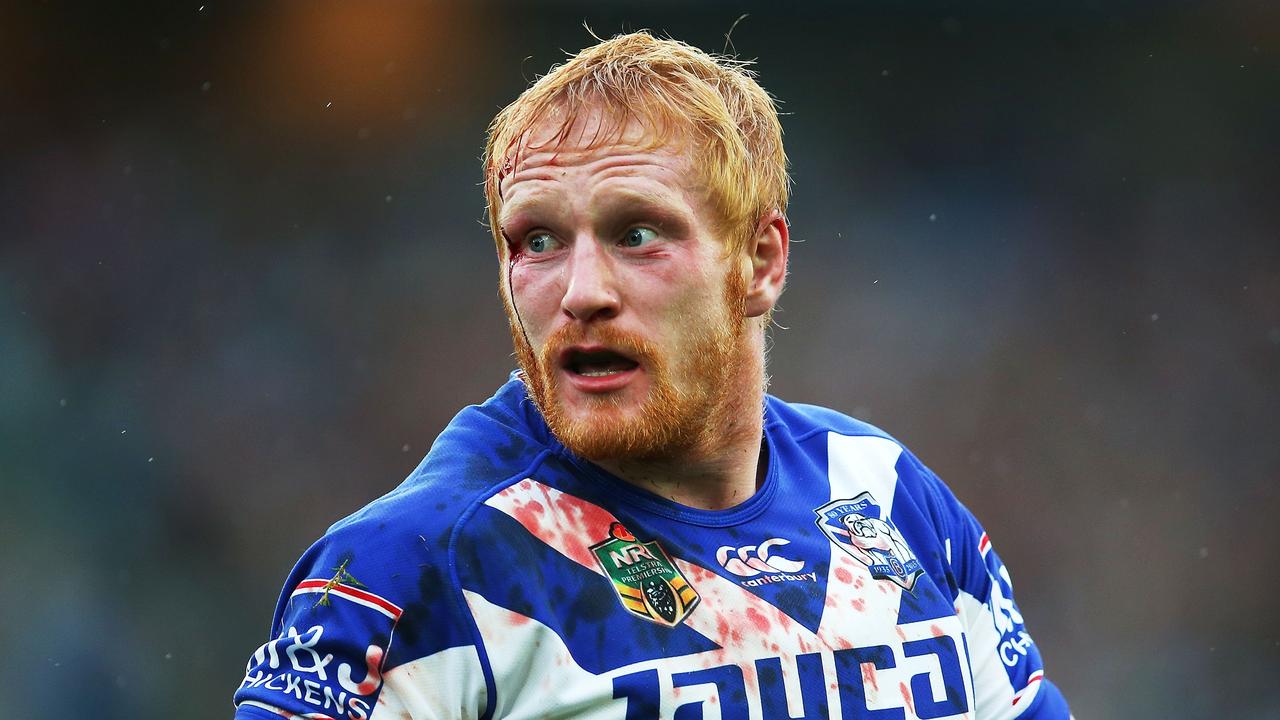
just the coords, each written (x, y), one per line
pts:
(926, 601)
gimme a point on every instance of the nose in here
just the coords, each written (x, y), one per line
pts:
(591, 291)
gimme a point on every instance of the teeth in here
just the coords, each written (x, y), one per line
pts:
(599, 373)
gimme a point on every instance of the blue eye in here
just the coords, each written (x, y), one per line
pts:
(638, 236)
(539, 242)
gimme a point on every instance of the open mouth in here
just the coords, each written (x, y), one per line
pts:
(597, 363)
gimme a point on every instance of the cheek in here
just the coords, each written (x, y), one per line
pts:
(676, 288)
(696, 300)
(535, 294)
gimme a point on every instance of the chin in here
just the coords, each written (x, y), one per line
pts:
(623, 427)
(599, 427)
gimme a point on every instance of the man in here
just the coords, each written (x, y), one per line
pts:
(630, 528)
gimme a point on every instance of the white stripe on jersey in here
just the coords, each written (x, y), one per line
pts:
(562, 521)
(991, 682)
(858, 605)
(535, 672)
(862, 462)
(857, 464)
(447, 684)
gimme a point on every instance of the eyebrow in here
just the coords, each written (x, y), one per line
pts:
(664, 206)
(514, 210)
(647, 200)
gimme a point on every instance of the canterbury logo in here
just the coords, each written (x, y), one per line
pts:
(753, 560)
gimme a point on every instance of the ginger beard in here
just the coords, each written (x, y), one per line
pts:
(674, 415)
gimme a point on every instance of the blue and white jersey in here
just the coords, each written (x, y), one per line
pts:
(508, 579)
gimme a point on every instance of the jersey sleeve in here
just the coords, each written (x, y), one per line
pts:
(366, 628)
(1008, 672)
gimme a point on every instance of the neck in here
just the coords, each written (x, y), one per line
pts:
(727, 463)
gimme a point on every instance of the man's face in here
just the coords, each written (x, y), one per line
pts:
(627, 318)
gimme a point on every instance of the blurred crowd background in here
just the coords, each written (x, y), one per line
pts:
(244, 282)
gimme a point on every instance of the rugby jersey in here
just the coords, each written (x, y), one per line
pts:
(508, 578)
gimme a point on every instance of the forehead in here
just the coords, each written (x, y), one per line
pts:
(596, 139)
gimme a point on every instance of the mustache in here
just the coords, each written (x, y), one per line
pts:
(619, 341)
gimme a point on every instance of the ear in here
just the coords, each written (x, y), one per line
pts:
(768, 254)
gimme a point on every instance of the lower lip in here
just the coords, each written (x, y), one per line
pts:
(601, 383)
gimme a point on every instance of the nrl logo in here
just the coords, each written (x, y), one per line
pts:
(647, 582)
(856, 527)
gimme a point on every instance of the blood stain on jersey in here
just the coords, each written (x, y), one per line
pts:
(855, 525)
(647, 582)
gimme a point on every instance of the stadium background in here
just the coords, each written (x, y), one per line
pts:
(244, 283)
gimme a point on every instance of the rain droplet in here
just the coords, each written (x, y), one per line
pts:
(933, 217)
(404, 447)
(1204, 553)
(1155, 317)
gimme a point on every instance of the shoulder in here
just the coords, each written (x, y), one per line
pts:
(380, 589)
(482, 447)
(397, 549)
(804, 419)
(856, 446)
